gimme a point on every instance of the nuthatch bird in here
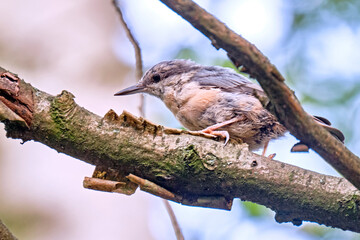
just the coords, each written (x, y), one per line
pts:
(214, 100)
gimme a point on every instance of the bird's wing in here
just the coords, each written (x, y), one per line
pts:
(228, 80)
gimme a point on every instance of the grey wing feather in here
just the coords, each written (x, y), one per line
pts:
(228, 80)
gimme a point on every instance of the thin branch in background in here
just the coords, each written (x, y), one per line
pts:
(174, 222)
(5, 233)
(139, 73)
(137, 49)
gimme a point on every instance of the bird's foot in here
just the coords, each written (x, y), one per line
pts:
(222, 134)
(271, 156)
(210, 133)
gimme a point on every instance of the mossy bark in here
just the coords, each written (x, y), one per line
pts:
(196, 170)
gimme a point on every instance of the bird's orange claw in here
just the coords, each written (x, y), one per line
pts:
(221, 134)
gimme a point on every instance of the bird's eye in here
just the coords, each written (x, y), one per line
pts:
(156, 78)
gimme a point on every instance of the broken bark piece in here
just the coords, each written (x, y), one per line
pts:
(109, 186)
(300, 147)
(151, 187)
(17, 96)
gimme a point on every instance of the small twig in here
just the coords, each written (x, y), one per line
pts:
(151, 187)
(137, 49)
(139, 73)
(174, 222)
(5, 233)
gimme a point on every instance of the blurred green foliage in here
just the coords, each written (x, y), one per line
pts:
(317, 13)
(187, 53)
(317, 231)
(332, 96)
(255, 210)
(330, 90)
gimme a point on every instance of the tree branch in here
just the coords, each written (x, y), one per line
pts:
(192, 170)
(137, 50)
(287, 108)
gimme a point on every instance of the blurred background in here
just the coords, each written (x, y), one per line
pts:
(80, 46)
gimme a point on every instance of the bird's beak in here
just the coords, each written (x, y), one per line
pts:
(130, 90)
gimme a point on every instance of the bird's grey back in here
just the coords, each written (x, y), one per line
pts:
(209, 76)
(227, 80)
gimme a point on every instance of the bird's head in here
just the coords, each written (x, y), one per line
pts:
(162, 77)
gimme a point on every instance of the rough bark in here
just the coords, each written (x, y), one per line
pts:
(189, 169)
(287, 108)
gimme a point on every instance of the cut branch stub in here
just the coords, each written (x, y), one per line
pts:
(15, 97)
(110, 180)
